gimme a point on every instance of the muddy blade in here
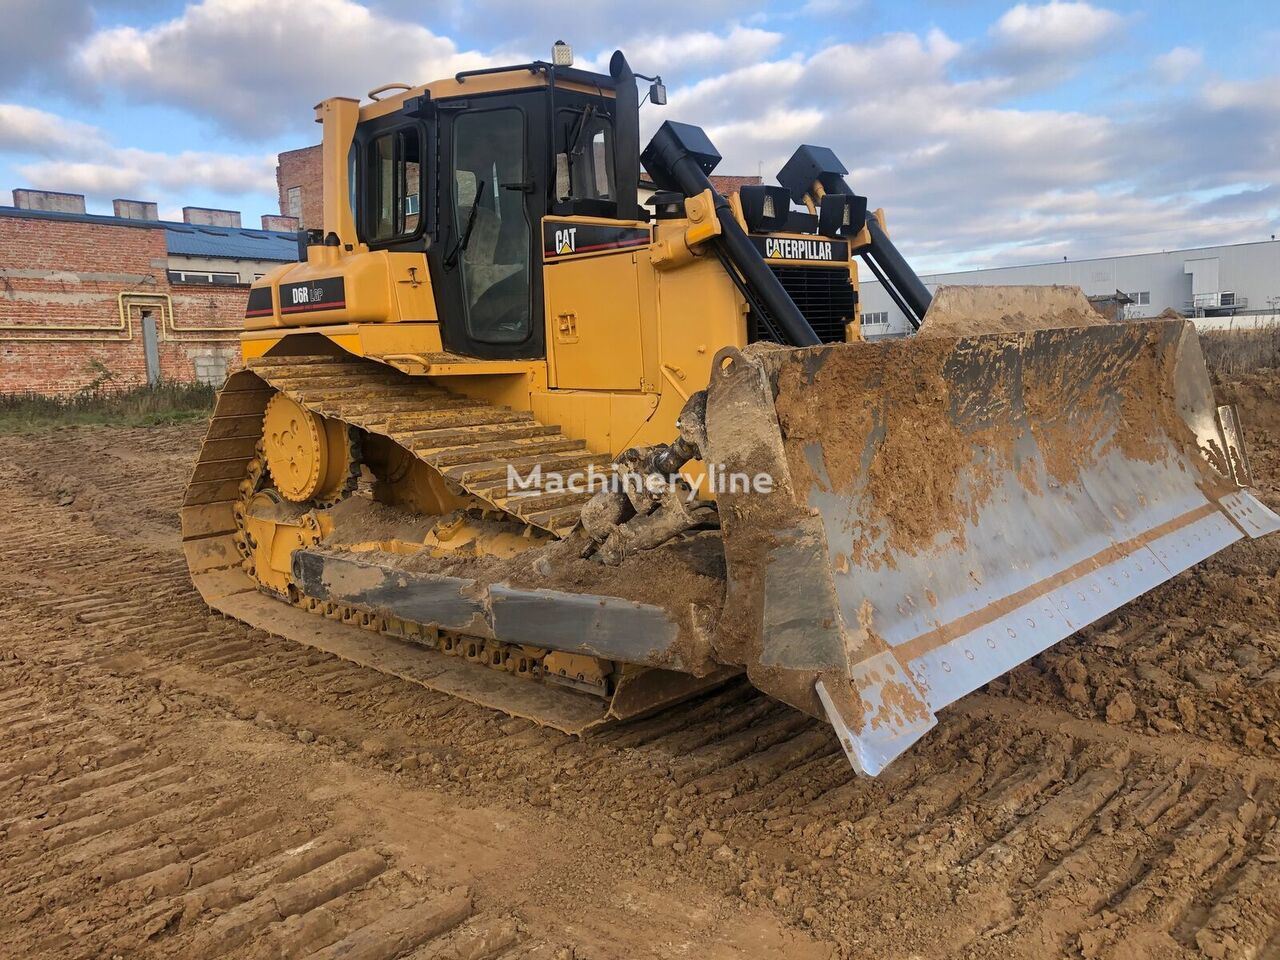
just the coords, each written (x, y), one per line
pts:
(948, 507)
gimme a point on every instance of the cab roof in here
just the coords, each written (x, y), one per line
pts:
(519, 76)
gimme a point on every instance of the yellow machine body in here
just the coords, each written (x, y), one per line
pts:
(630, 336)
(487, 300)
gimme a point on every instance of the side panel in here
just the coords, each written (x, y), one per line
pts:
(700, 311)
(607, 422)
(593, 322)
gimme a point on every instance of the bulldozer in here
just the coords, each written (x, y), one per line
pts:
(507, 432)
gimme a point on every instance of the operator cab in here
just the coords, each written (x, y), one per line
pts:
(466, 176)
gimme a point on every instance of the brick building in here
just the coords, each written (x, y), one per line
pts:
(127, 298)
(301, 186)
(731, 183)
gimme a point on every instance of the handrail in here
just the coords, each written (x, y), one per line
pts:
(1214, 301)
(373, 94)
(536, 66)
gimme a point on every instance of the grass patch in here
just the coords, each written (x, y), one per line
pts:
(1233, 352)
(163, 403)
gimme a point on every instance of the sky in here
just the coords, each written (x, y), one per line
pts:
(992, 133)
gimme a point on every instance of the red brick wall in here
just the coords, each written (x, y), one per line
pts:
(727, 183)
(60, 317)
(302, 168)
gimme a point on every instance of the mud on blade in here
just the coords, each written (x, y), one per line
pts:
(947, 507)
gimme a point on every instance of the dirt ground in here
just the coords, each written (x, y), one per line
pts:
(174, 784)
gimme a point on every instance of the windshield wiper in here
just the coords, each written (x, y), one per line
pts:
(573, 140)
(451, 258)
(584, 120)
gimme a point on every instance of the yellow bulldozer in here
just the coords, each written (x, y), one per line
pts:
(507, 432)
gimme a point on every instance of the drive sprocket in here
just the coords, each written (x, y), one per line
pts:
(310, 457)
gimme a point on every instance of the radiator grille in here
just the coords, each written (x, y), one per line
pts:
(825, 297)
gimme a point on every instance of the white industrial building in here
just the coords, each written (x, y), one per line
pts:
(1235, 285)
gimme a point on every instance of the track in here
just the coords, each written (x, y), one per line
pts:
(467, 442)
(177, 784)
(470, 442)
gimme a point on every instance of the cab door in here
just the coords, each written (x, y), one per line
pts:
(490, 208)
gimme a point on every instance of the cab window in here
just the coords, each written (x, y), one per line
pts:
(492, 224)
(394, 186)
(584, 165)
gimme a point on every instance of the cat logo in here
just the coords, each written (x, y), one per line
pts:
(566, 240)
(782, 248)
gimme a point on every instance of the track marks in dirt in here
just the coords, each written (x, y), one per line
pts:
(1030, 830)
(112, 846)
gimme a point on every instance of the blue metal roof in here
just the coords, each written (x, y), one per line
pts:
(237, 243)
(189, 239)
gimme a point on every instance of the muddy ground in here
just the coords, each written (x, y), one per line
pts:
(174, 784)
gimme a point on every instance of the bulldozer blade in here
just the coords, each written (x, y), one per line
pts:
(944, 508)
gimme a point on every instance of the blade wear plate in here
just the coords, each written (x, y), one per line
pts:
(947, 507)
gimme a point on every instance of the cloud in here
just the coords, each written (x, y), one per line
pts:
(79, 158)
(1054, 28)
(700, 51)
(38, 35)
(252, 70)
(527, 28)
(1261, 95)
(145, 173)
(216, 59)
(1044, 43)
(26, 130)
(1177, 64)
(1253, 202)
(1219, 135)
(827, 8)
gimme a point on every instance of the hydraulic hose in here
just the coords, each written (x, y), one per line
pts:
(902, 283)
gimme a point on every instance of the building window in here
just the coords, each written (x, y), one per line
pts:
(1227, 299)
(293, 202)
(1141, 298)
(200, 276)
(876, 318)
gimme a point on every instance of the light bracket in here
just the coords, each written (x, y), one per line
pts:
(764, 208)
(841, 214)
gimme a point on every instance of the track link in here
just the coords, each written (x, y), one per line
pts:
(469, 441)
